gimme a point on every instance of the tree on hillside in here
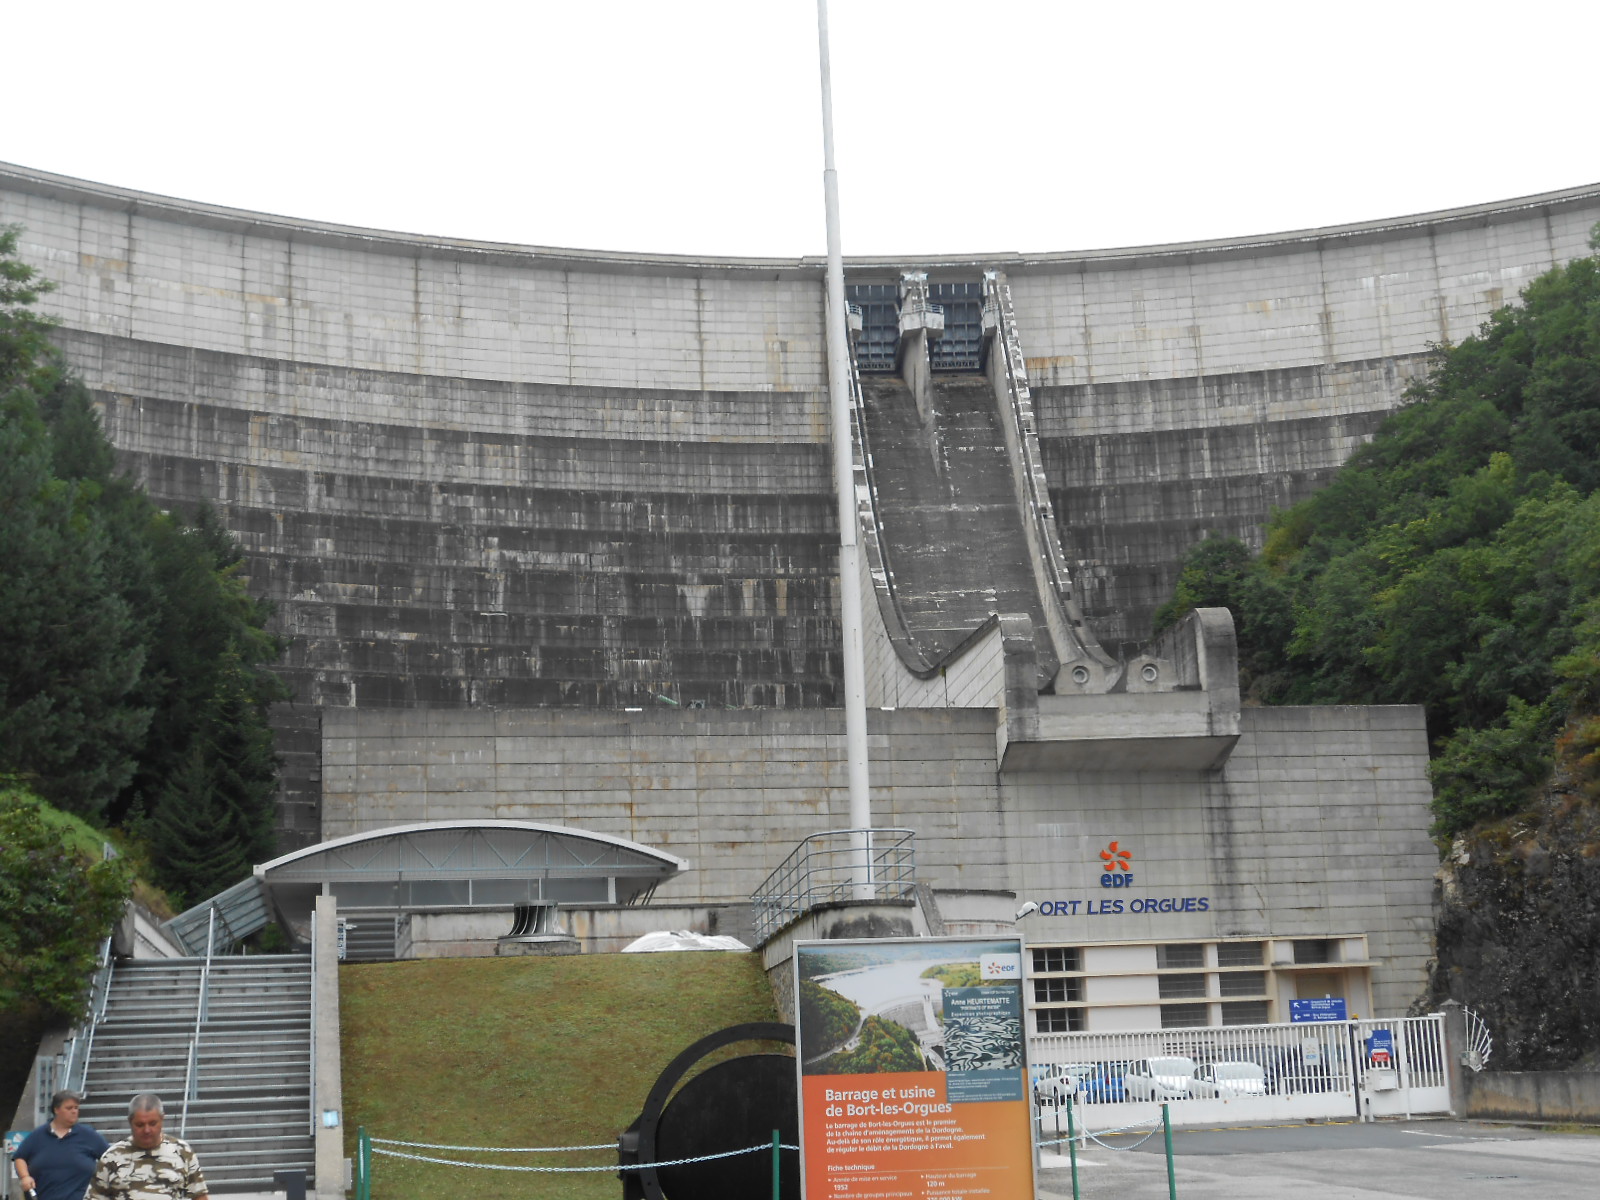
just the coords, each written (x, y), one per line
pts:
(133, 677)
(54, 910)
(212, 819)
(1453, 562)
(73, 652)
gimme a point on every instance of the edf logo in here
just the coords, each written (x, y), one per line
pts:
(999, 966)
(1116, 865)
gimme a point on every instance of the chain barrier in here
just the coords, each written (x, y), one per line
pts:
(1105, 1133)
(377, 1141)
(376, 1145)
(609, 1167)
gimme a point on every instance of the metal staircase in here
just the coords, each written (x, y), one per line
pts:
(226, 1044)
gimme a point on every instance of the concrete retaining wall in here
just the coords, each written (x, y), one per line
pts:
(1316, 826)
(1559, 1096)
(602, 930)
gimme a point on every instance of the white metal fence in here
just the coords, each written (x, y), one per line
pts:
(1335, 1069)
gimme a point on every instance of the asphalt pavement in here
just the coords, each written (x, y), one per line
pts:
(1384, 1160)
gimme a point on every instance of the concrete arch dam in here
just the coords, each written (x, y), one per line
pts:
(476, 476)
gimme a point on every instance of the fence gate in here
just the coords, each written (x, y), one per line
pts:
(1253, 1073)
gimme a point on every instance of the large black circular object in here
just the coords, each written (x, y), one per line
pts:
(732, 1105)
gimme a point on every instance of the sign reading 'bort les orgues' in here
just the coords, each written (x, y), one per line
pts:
(1115, 866)
(1135, 904)
(912, 1076)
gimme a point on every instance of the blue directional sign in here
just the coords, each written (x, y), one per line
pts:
(1329, 1008)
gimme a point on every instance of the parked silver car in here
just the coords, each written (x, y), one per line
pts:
(1159, 1079)
(1056, 1083)
(1224, 1080)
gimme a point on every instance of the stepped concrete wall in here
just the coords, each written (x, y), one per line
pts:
(1316, 826)
(476, 475)
(1194, 388)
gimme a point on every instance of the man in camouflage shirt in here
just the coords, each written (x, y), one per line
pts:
(148, 1165)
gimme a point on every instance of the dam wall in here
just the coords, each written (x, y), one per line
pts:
(1194, 388)
(482, 476)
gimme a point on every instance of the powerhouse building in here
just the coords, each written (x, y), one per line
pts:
(552, 538)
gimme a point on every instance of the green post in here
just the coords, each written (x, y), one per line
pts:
(1072, 1147)
(1172, 1175)
(363, 1164)
(777, 1173)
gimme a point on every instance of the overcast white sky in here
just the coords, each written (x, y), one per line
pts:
(694, 127)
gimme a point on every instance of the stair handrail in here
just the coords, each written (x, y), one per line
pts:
(231, 939)
(311, 1091)
(191, 1079)
(76, 1065)
(824, 868)
(1077, 642)
(202, 1005)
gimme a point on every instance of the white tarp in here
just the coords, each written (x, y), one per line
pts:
(682, 939)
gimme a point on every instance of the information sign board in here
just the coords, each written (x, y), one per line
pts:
(913, 1078)
(1380, 1047)
(1328, 1008)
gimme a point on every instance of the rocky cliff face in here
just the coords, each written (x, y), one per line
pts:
(1519, 932)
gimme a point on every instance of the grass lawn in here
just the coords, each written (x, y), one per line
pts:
(524, 1052)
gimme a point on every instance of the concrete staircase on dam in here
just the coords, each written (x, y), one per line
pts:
(248, 1112)
(952, 535)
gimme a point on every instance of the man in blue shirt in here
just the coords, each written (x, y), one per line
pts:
(59, 1157)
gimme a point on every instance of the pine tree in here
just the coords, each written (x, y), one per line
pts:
(72, 653)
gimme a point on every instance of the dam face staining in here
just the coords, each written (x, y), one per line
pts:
(552, 537)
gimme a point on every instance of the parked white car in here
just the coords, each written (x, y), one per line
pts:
(1224, 1080)
(1056, 1083)
(1159, 1079)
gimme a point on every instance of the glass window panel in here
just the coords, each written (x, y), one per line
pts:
(504, 891)
(1315, 950)
(1183, 1016)
(1058, 1020)
(1193, 955)
(366, 895)
(1178, 986)
(439, 893)
(569, 891)
(1245, 1012)
(1056, 958)
(1243, 983)
(1239, 954)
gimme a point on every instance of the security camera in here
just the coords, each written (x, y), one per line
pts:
(1029, 907)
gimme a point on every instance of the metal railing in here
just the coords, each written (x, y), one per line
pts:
(74, 1056)
(311, 1114)
(1331, 1062)
(832, 866)
(191, 1078)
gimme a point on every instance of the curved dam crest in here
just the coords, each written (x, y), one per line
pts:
(501, 496)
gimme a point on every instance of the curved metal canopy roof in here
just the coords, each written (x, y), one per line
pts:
(435, 865)
(465, 849)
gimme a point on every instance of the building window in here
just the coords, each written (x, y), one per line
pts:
(1057, 958)
(1058, 1020)
(1057, 991)
(1316, 950)
(1243, 983)
(1180, 957)
(1183, 1016)
(1181, 987)
(1245, 1012)
(1239, 954)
